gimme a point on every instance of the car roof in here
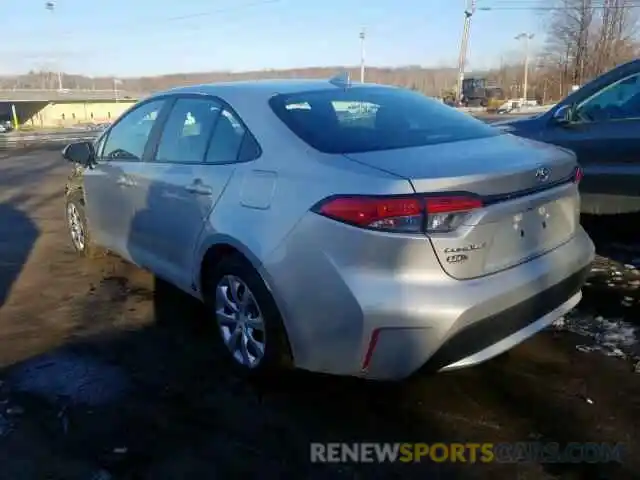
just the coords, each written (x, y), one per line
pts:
(261, 88)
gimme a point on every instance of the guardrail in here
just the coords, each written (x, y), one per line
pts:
(19, 142)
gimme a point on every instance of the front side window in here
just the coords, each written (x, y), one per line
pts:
(620, 101)
(362, 119)
(128, 138)
(186, 134)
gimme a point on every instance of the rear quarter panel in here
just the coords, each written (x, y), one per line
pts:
(266, 199)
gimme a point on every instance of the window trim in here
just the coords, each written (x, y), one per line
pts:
(104, 138)
(153, 153)
(601, 91)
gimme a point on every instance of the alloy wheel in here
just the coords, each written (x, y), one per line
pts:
(240, 321)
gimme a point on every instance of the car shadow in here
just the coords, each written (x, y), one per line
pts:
(154, 401)
(18, 234)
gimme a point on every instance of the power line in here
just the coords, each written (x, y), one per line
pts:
(151, 23)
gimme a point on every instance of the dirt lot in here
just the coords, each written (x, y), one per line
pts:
(108, 373)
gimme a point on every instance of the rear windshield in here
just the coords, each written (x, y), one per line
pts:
(363, 119)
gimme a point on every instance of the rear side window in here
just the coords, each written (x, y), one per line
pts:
(187, 130)
(362, 119)
(227, 139)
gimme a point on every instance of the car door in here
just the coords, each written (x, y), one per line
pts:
(109, 187)
(195, 157)
(605, 136)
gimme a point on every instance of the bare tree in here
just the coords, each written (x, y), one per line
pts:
(588, 37)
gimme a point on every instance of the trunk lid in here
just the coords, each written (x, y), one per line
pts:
(530, 206)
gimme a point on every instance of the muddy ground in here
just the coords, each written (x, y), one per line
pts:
(107, 373)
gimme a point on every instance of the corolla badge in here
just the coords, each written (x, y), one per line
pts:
(542, 174)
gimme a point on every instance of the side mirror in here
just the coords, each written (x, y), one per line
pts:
(563, 115)
(80, 152)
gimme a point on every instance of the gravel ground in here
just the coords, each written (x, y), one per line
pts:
(107, 372)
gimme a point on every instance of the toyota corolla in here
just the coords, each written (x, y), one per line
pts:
(352, 229)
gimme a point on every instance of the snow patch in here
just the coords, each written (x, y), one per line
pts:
(613, 337)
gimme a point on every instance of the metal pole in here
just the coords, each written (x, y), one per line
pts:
(526, 68)
(462, 59)
(362, 37)
(525, 81)
(14, 117)
(115, 89)
(51, 6)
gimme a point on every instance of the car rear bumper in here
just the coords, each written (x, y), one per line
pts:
(502, 331)
(340, 308)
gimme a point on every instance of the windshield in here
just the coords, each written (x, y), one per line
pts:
(362, 119)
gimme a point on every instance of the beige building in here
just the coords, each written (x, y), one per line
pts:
(61, 114)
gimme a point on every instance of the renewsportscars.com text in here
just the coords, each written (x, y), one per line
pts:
(516, 452)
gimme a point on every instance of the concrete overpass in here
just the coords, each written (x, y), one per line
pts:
(52, 108)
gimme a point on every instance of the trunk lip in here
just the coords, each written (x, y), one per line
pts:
(504, 197)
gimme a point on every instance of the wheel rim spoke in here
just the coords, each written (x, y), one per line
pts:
(244, 351)
(257, 347)
(235, 294)
(255, 324)
(234, 339)
(226, 319)
(222, 295)
(76, 228)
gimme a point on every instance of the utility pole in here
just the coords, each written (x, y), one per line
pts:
(362, 37)
(462, 59)
(51, 6)
(526, 37)
(116, 82)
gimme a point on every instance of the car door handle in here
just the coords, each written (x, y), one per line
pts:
(199, 188)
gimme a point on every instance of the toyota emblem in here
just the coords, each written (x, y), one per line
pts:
(542, 174)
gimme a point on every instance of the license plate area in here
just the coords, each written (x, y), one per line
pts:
(530, 233)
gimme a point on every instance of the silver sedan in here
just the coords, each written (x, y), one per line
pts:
(352, 229)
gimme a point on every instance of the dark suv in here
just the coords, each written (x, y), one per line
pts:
(600, 122)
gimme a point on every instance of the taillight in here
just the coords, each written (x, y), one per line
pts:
(445, 214)
(577, 175)
(408, 214)
(402, 214)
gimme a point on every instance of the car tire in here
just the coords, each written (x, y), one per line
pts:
(78, 229)
(260, 308)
